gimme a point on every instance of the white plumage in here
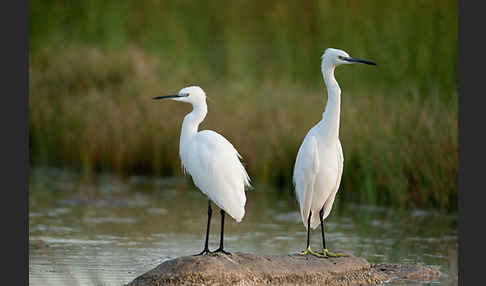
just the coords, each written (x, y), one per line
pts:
(319, 163)
(211, 160)
(317, 175)
(214, 165)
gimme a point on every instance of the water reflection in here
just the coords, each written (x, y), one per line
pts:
(109, 230)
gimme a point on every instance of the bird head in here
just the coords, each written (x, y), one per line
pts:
(334, 57)
(191, 94)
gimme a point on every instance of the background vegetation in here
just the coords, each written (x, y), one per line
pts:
(94, 66)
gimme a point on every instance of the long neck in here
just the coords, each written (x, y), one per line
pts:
(192, 120)
(189, 129)
(330, 117)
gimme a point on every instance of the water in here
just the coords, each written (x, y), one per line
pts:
(108, 230)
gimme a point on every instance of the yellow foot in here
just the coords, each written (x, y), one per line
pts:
(309, 251)
(327, 253)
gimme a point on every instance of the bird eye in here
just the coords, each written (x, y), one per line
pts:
(340, 57)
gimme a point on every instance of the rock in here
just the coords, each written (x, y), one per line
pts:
(249, 269)
(408, 272)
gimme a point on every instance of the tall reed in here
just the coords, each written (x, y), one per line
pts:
(94, 66)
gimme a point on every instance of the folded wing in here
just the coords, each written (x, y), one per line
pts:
(217, 171)
(305, 171)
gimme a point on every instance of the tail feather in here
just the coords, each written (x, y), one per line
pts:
(239, 214)
(314, 220)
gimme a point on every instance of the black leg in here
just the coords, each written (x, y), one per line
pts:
(321, 215)
(206, 248)
(308, 229)
(326, 252)
(220, 249)
(308, 249)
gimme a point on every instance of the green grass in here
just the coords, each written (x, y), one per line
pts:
(414, 42)
(94, 67)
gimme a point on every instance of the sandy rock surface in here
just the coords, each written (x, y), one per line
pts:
(250, 269)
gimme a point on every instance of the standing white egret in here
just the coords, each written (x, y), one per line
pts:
(319, 164)
(212, 161)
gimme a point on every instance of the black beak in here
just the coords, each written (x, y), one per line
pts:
(169, 96)
(353, 60)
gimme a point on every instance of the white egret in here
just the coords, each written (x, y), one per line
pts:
(319, 164)
(212, 161)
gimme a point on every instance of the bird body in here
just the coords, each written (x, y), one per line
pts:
(211, 160)
(319, 164)
(317, 174)
(216, 170)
